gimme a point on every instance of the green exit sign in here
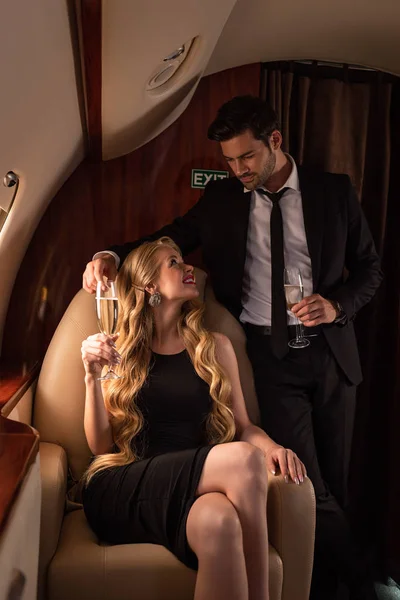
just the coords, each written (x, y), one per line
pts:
(200, 177)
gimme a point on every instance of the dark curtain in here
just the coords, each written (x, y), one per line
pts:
(347, 120)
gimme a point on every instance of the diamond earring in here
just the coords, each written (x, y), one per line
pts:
(155, 299)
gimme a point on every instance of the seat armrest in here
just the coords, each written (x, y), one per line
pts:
(53, 470)
(291, 531)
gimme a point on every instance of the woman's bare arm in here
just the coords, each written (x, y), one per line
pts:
(97, 351)
(245, 429)
(276, 456)
(97, 426)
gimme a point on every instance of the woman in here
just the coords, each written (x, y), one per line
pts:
(178, 461)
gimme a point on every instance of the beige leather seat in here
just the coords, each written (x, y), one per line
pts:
(74, 564)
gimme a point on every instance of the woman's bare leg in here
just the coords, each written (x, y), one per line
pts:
(238, 470)
(214, 533)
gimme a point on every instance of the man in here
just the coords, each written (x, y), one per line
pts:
(270, 216)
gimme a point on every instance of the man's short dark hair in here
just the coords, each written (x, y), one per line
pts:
(242, 113)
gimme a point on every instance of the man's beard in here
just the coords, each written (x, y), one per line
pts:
(260, 179)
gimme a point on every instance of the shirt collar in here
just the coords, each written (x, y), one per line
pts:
(291, 182)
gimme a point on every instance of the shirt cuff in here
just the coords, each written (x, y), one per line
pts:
(116, 257)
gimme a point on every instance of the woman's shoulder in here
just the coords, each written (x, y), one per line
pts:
(222, 342)
(225, 352)
(220, 338)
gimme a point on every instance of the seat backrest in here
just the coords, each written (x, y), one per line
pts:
(60, 394)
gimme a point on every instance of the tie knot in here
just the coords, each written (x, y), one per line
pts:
(274, 197)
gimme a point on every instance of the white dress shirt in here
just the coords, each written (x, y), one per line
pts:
(256, 290)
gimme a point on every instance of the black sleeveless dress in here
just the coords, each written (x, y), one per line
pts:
(149, 500)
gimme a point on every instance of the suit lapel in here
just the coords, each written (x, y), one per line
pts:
(240, 205)
(313, 213)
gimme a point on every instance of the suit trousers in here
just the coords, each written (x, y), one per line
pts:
(307, 404)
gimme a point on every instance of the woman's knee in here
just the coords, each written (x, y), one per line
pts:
(213, 523)
(249, 464)
(232, 467)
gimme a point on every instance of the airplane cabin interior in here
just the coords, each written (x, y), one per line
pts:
(105, 107)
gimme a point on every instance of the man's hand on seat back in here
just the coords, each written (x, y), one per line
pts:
(96, 270)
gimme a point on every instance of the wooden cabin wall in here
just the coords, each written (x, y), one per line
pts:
(113, 202)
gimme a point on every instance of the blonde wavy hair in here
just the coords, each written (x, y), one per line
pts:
(136, 327)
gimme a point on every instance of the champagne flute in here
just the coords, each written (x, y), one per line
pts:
(294, 292)
(107, 316)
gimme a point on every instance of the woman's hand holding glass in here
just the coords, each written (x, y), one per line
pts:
(98, 350)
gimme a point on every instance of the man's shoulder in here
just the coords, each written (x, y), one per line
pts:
(224, 186)
(324, 177)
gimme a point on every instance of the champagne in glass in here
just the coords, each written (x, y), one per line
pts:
(107, 316)
(294, 292)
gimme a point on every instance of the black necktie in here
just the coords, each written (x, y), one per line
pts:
(279, 331)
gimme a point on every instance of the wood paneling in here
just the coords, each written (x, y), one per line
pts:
(18, 447)
(91, 19)
(15, 378)
(107, 203)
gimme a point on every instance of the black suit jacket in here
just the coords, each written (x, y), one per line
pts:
(337, 236)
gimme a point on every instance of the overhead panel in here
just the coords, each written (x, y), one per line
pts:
(356, 32)
(152, 61)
